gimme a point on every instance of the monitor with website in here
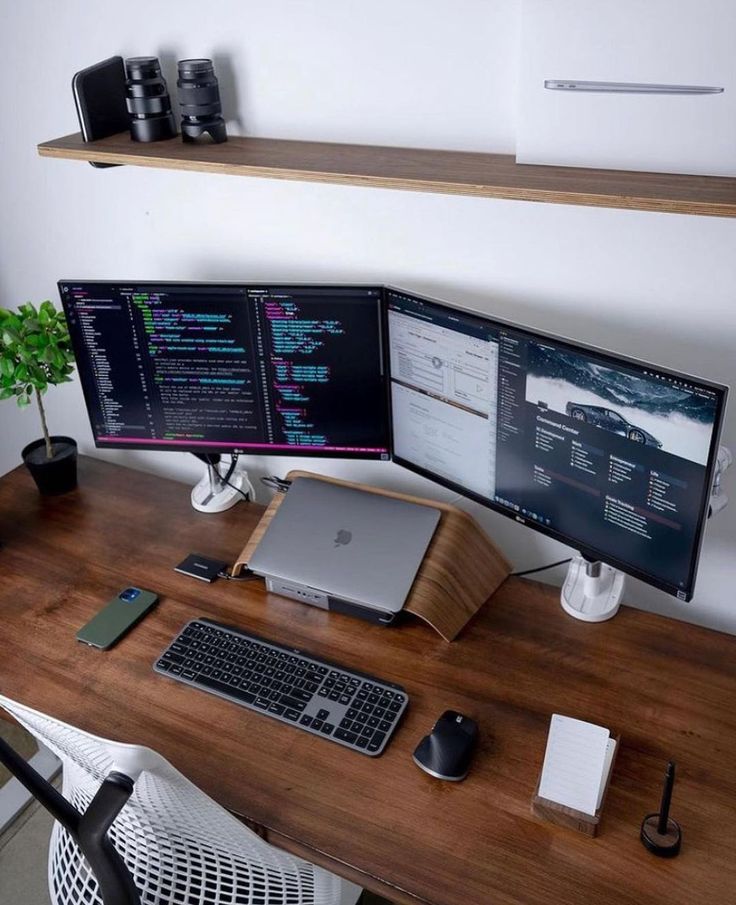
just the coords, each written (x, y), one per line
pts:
(610, 455)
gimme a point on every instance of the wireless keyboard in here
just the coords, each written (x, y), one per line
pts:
(347, 707)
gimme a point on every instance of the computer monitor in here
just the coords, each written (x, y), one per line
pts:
(612, 456)
(233, 368)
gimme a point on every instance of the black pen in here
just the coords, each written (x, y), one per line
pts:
(664, 808)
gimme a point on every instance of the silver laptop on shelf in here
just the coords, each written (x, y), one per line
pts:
(344, 549)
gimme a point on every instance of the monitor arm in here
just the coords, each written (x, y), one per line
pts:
(718, 497)
(220, 489)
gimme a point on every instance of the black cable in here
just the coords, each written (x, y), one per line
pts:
(281, 485)
(231, 469)
(241, 492)
(245, 575)
(542, 568)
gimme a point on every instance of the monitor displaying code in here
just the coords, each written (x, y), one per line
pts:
(232, 368)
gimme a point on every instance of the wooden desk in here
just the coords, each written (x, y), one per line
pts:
(669, 688)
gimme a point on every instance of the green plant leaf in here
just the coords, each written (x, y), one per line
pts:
(35, 350)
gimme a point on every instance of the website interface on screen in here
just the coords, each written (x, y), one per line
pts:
(241, 368)
(607, 453)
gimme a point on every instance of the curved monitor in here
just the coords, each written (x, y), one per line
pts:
(612, 456)
(234, 368)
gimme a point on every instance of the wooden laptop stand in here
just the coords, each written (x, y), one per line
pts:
(459, 572)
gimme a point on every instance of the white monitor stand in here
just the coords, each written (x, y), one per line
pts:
(592, 591)
(213, 494)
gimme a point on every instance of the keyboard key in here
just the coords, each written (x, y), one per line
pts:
(306, 720)
(316, 724)
(215, 685)
(263, 703)
(322, 714)
(361, 741)
(345, 698)
(276, 708)
(292, 714)
(384, 725)
(327, 728)
(346, 736)
(375, 743)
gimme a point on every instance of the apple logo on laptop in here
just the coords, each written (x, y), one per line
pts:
(343, 537)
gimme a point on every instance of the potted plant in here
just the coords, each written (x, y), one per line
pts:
(36, 353)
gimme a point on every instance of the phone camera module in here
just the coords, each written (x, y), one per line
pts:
(129, 594)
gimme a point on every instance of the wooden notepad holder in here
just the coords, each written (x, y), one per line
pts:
(460, 570)
(561, 815)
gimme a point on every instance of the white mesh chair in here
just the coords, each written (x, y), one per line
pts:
(179, 846)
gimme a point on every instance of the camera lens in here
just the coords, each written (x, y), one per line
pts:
(147, 99)
(199, 99)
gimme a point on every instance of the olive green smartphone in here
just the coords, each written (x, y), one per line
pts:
(118, 616)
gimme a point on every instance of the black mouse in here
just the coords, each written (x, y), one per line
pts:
(446, 752)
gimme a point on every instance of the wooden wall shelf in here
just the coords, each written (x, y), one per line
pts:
(420, 170)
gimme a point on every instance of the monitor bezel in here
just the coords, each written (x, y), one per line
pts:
(228, 449)
(587, 551)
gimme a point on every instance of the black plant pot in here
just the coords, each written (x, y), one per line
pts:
(55, 475)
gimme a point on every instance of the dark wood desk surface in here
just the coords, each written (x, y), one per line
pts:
(669, 688)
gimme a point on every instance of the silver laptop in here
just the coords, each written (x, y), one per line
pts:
(347, 546)
(628, 87)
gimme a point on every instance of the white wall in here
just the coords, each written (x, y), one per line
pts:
(435, 74)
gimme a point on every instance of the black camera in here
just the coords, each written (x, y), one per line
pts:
(148, 101)
(199, 99)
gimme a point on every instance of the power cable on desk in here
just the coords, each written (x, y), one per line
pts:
(551, 565)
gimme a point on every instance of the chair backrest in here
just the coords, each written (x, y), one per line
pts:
(180, 846)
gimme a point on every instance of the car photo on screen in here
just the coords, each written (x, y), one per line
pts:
(648, 410)
(610, 420)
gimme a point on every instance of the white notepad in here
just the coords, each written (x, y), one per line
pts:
(577, 762)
